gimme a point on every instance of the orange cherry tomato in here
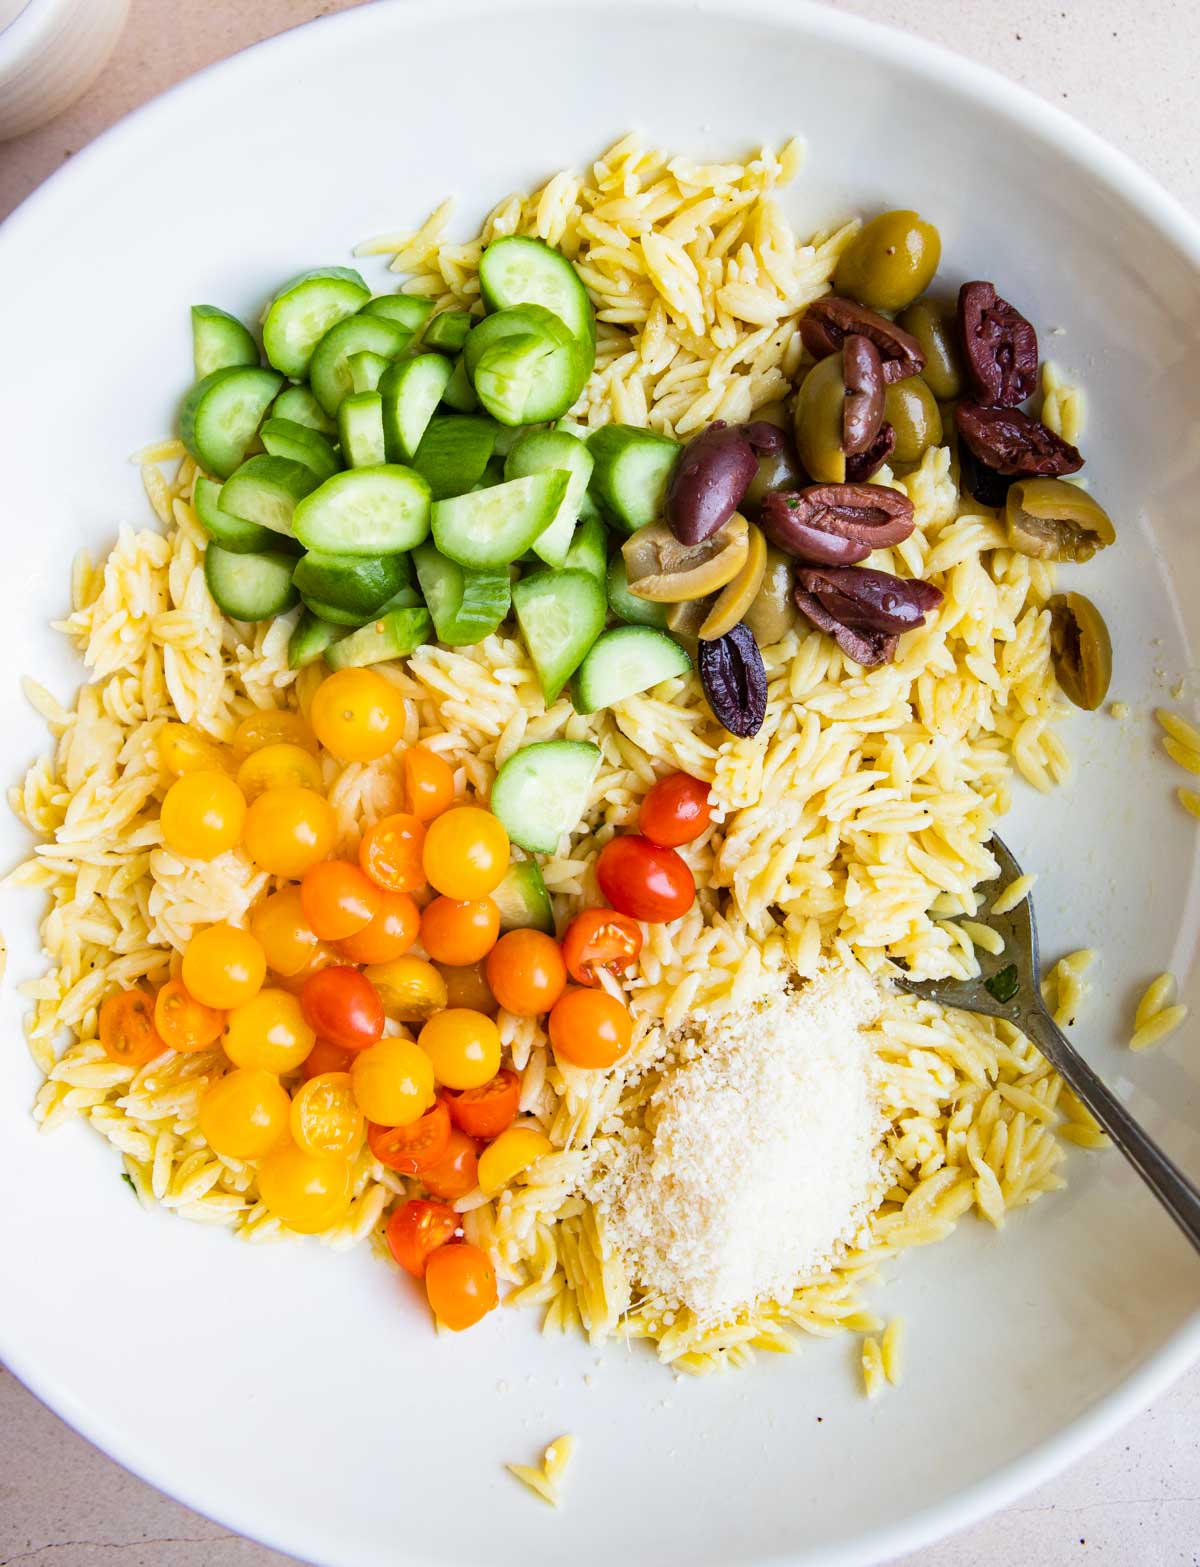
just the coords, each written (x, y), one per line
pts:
(466, 852)
(127, 1029)
(428, 783)
(457, 1172)
(601, 939)
(391, 932)
(342, 1005)
(272, 726)
(590, 1028)
(526, 972)
(358, 714)
(459, 933)
(643, 880)
(416, 1229)
(413, 1148)
(675, 810)
(325, 1057)
(337, 899)
(289, 829)
(390, 852)
(486, 1111)
(184, 1023)
(467, 986)
(279, 926)
(461, 1285)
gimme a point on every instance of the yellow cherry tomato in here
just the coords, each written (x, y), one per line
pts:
(272, 726)
(358, 715)
(289, 829)
(307, 1191)
(512, 1153)
(286, 937)
(268, 1031)
(223, 966)
(464, 1047)
(203, 814)
(182, 749)
(244, 1114)
(325, 1117)
(277, 767)
(393, 1082)
(466, 853)
(411, 988)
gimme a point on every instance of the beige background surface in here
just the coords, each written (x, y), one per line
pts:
(1128, 70)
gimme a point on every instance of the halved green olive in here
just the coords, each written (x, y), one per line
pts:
(820, 405)
(889, 261)
(1081, 649)
(665, 571)
(934, 324)
(1056, 521)
(685, 619)
(773, 612)
(737, 596)
(912, 411)
(777, 470)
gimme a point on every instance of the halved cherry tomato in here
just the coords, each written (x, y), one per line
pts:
(391, 932)
(390, 852)
(416, 1229)
(459, 933)
(675, 810)
(461, 1285)
(457, 1172)
(645, 881)
(590, 1028)
(467, 986)
(184, 1023)
(341, 1004)
(412, 1149)
(127, 1029)
(324, 1057)
(325, 1117)
(428, 783)
(337, 899)
(526, 972)
(410, 988)
(601, 939)
(486, 1111)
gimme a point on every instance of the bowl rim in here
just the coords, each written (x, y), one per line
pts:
(1012, 102)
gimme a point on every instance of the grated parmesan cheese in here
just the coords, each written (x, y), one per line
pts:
(758, 1155)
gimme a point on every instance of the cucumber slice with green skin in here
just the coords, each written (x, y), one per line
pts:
(304, 310)
(366, 370)
(459, 393)
(623, 662)
(454, 453)
(494, 474)
(634, 611)
(310, 639)
(522, 899)
(298, 404)
(411, 392)
(298, 443)
(588, 550)
(249, 587)
(221, 415)
(494, 526)
(231, 533)
(518, 270)
(560, 613)
(542, 792)
(394, 635)
(406, 310)
(267, 490)
(541, 451)
(525, 365)
(466, 605)
(360, 583)
(329, 371)
(360, 427)
(447, 332)
(632, 468)
(366, 511)
(219, 340)
(351, 619)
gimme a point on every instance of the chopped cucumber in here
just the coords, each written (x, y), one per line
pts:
(493, 527)
(459, 393)
(587, 552)
(454, 453)
(329, 372)
(219, 340)
(221, 415)
(533, 381)
(360, 427)
(411, 392)
(366, 370)
(623, 662)
(407, 310)
(231, 533)
(394, 635)
(518, 270)
(634, 611)
(540, 451)
(522, 899)
(542, 791)
(447, 332)
(351, 619)
(466, 605)
(304, 310)
(310, 639)
(299, 443)
(560, 613)
(353, 582)
(249, 587)
(629, 481)
(365, 511)
(267, 490)
(299, 404)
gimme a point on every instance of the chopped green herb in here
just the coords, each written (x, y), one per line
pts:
(1004, 985)
(128, 1179)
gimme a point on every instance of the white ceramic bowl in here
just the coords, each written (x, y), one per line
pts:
(300, 1396)
(51, 51)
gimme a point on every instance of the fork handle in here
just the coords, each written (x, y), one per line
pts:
(1164, 1178)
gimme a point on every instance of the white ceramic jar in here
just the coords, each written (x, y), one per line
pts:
(50, 52)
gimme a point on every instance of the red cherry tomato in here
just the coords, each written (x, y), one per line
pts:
(645, 881)
(675, 810)
(457, 1172)
(418, 1228)
(343, 1006)
(601, 939)
(414, 1148)
(485, 1112)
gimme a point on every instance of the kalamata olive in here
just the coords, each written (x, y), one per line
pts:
(1081, 649)
(861, 466)
(773, 612)
(764, 435)
(734, 600)
(1000, 346)
(828, 321)
(912, 411)
(862, 409)
(934, 324)
(868, 600)
(734, 678)
(818, 419)
(1013, 443)
(665, 571)
(837, 524)
(976, 479)
(868, 648)
(706, 487)
(1054, 520)
(889, 261)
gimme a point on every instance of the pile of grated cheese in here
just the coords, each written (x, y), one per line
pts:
(757, 1157)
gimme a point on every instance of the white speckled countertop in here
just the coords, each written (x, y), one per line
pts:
(1129, 72)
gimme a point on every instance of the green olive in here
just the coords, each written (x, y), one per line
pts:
(773, 413)
(663, 570)
(1081, 649)
(912, 411)
(934, 324)
(889, 261)
(776, 471)
(1056, 521)
(773, 612)
(818, 421)
(736, 597)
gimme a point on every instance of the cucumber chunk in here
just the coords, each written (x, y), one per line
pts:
(221, 415)
(634, 611)
(447, 332)
(560, 613)
(542, 791)
(366, 370)
(540, 383)
(249, 587)
(539, 451)
(352, 619)
(394, 635)
(454, 453)
(411, 391)
(406, 310)
(360, 428)
(231, 533)
(522, 899)
(632, 467)
(310, 639)
(466, 605)
(329, 371)
(459, 393)
(588, 552)
(267, 490)
(366, 511)
(518, 270)
(360, 583)
(298, 403)
(304, 310)
(298, 443)
(623, 662)
(219, 340)
(494, 526)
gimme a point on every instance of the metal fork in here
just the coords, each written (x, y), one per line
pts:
(1009, 987)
